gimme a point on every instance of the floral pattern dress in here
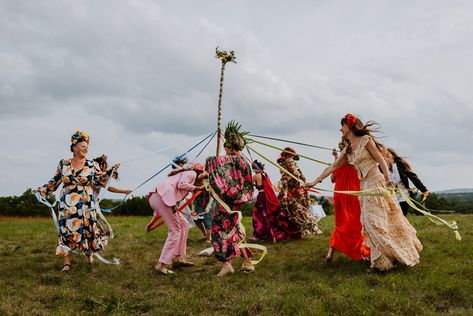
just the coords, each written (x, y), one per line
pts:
(295, 200)
(230, 178)
(78, 227)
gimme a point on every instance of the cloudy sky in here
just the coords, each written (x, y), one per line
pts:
(140, 76)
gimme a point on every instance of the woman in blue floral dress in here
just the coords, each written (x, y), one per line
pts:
(78, 229)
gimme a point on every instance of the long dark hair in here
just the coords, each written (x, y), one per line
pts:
(359, 129)
(258, 166)
(102, 161)
(399, 160)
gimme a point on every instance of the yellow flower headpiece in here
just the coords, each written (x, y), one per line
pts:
(78, 137)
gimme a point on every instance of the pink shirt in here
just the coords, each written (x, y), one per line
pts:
(176, 187)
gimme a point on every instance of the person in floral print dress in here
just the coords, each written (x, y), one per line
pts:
(78, 229)
(294, 198)
(230, 177)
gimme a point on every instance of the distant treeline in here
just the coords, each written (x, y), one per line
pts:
(27, 205)
(458, 202)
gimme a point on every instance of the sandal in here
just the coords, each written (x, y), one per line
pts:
(163, 270)
(247, 268)
(66, 267)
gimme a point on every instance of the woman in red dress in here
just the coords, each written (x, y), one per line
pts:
(270, 221)
(346, 237)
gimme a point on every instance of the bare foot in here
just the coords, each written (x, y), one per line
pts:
(90, 259)
(226, 269)
(329, 256)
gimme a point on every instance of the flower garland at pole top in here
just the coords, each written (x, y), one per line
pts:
(225, 58)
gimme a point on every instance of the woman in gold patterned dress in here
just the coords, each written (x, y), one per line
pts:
(390, 237)
(294, 198)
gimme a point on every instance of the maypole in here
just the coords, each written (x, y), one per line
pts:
(225, 58)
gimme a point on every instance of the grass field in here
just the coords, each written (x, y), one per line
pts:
(291, 280)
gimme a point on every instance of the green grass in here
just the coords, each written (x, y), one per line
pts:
(291, 280)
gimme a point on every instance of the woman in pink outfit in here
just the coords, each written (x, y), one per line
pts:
(164, 201)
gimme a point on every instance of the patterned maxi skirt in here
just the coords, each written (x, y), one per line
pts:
(273, 226)
(296, 206)
(389, 235)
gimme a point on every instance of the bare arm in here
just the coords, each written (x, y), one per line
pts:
(209, 204)
(116, 190)
(373, 150)
(342, 159)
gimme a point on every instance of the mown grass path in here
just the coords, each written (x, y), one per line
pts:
(291, 280)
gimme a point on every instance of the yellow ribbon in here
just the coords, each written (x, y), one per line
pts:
(435, 219)
(242, 243)
(367, 192)
(378, 192)
(286, 151)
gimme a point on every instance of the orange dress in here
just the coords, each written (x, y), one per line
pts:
(347, 237)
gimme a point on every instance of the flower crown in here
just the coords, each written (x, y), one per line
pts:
(351, 119)
(78, 137)
(289, 152)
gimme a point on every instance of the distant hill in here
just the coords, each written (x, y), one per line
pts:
(455, 191)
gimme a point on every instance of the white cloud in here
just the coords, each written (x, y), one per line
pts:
(141, 75)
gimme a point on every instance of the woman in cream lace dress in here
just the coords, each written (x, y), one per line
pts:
(390, 236)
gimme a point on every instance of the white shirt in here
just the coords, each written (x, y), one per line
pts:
(396, 178)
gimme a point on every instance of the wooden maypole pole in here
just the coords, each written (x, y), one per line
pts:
(225, 58)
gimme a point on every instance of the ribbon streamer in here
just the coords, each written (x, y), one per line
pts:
(42, 200)
(380, 192)
(157, 173)
(193, 197)
(435, 219)
(291, 142)
(242, 243)
(280, 149)
(163, 150)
